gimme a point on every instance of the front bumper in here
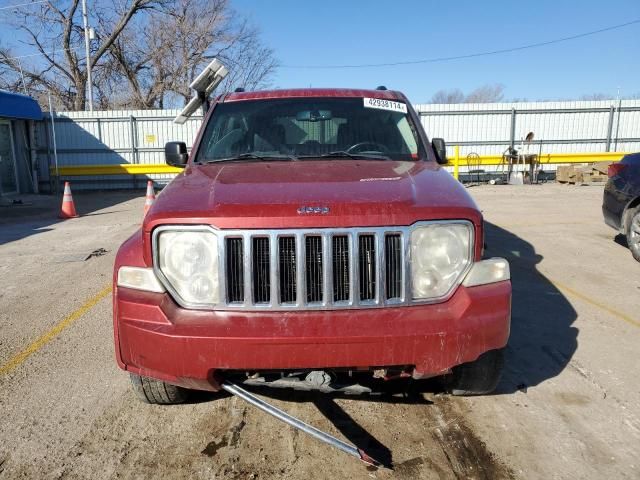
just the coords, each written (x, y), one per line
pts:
(157, 338)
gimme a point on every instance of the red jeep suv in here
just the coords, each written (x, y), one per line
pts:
(312, 237)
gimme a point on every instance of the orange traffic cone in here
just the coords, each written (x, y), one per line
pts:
(151, 197)
(68, 209)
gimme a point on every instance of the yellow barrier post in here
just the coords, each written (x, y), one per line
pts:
(456, 164)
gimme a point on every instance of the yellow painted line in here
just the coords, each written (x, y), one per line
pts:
(597, 304)
(54, 332)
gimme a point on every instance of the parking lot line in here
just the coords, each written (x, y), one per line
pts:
(54, 332)
(597, 304)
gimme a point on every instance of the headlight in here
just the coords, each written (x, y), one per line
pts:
(189, 262)
(440, 254)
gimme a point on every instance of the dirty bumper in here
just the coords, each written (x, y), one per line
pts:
(157, 338)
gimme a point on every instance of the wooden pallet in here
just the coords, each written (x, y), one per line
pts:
(583, 175)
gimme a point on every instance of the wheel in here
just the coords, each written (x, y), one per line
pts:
(479, 377)
(150, 390)
(633, 234)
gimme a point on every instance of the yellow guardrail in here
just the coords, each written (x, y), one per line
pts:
(546, 158)
(456, 162)
(116, 169)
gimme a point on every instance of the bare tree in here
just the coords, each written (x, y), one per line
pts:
(54, 30)
(196, 31)
(484, 94)
(595, 96)
(448, 96)
(147, 53)
(155, 63)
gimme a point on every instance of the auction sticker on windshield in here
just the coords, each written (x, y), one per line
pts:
(385, 104)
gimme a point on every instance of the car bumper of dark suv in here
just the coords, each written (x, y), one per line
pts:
(157, 338)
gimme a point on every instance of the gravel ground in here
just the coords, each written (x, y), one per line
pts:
(568, 405)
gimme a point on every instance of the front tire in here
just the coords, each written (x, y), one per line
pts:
(479, 377)
(150, 390)
(633, 234)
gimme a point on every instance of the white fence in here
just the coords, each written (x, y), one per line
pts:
(138, 136)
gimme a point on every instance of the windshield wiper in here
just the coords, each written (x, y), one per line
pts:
(357, 156)
(253, 156)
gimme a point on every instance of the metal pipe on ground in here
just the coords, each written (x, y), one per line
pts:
(299, 424)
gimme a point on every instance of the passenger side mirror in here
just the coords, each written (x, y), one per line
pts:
(175, 154)
(441, 150)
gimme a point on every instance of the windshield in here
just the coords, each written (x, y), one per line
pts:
(298, 128)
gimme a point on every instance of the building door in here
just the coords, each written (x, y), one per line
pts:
(8, 176)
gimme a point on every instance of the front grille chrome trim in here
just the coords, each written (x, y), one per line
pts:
(299, 235)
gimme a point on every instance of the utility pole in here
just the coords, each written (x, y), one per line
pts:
(86, 48)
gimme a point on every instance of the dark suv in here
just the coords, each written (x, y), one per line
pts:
(621, 202)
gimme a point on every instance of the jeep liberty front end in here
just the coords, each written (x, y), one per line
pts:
(313, 233)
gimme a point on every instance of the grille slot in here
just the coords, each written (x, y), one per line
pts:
(235, 270)
(313, 267)
(288, 271)
(261, 270)
(393, 266)
(341, 274)
(367, 266)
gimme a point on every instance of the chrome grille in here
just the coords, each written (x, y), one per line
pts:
(280, 270)
(314, 269)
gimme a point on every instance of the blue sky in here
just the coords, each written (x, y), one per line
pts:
(356, 31)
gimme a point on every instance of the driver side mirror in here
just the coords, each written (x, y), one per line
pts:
(440, 148)
(175, 154)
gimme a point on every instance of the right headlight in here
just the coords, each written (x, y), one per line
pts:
(440, 254)
(189, 262)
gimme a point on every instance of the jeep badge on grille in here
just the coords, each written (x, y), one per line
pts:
(304, 210)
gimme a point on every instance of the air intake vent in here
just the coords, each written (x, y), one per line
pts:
(313, 264)
(235, 270)
(393, 266)
(287, 266)
(341, 274)
(367, 266)
(261, 270)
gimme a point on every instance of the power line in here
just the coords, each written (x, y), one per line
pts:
(470, 55)
(23, 4)
(51, 53)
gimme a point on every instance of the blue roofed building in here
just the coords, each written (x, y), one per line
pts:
(18, 170)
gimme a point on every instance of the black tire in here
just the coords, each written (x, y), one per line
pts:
(479, 377)
(150, 390)
(633, 234)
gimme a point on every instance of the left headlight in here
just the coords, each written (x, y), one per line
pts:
(440, 254)
(189, 262)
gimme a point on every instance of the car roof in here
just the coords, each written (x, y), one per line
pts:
(313, 92)
(633, 158)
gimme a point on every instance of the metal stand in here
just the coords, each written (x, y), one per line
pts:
(299, 424)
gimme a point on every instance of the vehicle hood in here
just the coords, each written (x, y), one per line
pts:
(269, 194)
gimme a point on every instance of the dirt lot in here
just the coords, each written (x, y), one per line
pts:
(568, 405)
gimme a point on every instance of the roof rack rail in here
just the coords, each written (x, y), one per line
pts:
(381, 87)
